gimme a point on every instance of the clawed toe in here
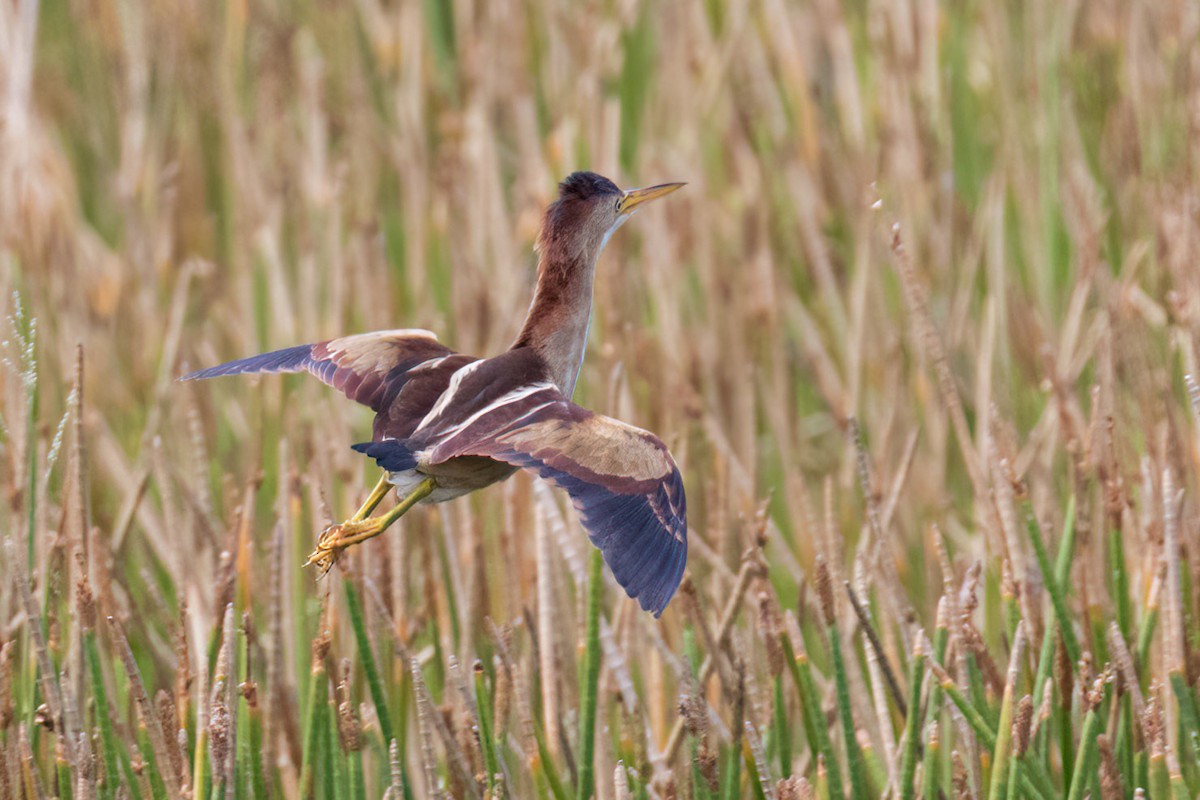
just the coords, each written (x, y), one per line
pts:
(326, 551)
(337, 538)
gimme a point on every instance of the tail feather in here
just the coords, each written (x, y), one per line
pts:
(390, 454)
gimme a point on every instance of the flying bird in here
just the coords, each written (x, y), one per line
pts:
(447, 423)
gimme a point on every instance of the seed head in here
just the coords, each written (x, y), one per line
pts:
(825, 591)
(1022, 723)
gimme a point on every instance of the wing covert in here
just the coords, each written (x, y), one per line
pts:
(621, 479)
(369, 368)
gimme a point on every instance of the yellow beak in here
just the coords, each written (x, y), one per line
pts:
(635, 198)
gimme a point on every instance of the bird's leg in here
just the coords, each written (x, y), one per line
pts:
(377, 494)
(337, 538)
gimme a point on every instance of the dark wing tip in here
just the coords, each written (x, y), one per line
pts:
(643, 538)
(663, 589)
(289, 359)
(199, 375)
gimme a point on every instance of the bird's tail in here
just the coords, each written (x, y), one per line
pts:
(393, 455)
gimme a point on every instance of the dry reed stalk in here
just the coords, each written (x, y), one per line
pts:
(146, 711)
(899, 480)
(547, 638)
(470, 749)
(168, 722)
(691, 607)
(426, 715)
(1123, 662)
(284, 722)
(880, 558)
(878, 669)
(1173, 648)
(931, 343)
(620, 782)
(47, 676)
(221, 722)
(876, 647)
(395, 790)
(616, 663)
(751, 566)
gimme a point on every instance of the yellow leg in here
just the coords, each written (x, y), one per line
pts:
(337, 538)
(377, 494)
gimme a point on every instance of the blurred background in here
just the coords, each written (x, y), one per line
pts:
(948, 221)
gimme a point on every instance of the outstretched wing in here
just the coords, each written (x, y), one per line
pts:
(622, 480)
(369, 368)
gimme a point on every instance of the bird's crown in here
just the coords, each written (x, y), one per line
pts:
(586, 185)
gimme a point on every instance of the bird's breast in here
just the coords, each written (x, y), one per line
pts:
(455, 477)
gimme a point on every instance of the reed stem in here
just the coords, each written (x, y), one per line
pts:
(590, 686)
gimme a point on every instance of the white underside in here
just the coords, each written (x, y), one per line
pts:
(406, 481)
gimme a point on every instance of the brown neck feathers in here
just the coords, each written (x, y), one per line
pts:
(557, 323)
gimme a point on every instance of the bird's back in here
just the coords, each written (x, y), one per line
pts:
(447, 398)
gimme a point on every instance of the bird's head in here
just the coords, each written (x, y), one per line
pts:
(589, 209)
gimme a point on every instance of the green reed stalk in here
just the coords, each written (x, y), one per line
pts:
(783, 741)
(590, 688)
(1014, 776)
(854, 759)
(245, 755)
(1085, 756)
(700, 790)
(1146, 633)
(336, 781)
(1124, 744)
(976, 690)
(877, 771)
(1034, 774)
(108, 739)
(811, 705)
(1159, 780)
(158, 786)
(135, 783)
(941, 638)
(1120, 580)
(756, 780)
(1189, 726)
(1020, 785)
(356, 789)
(1062, 571)
(732, 781)
(1053, 581)
(483, 700)
(931, 763)
(62, 771)
(546, 764)
(374, 682)
(912, 727)
(1002, 751)
(314, 727)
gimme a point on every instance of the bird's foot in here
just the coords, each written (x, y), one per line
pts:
(337, 538)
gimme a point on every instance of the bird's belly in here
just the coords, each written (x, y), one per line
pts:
(455, 477)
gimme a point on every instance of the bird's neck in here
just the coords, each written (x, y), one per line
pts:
(557, 323)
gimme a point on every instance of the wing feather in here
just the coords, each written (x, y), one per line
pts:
(369, 368)
(621, 479)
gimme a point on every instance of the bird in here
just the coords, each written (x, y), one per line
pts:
(447, 423)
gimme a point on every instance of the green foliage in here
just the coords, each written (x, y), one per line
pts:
(969, 227)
